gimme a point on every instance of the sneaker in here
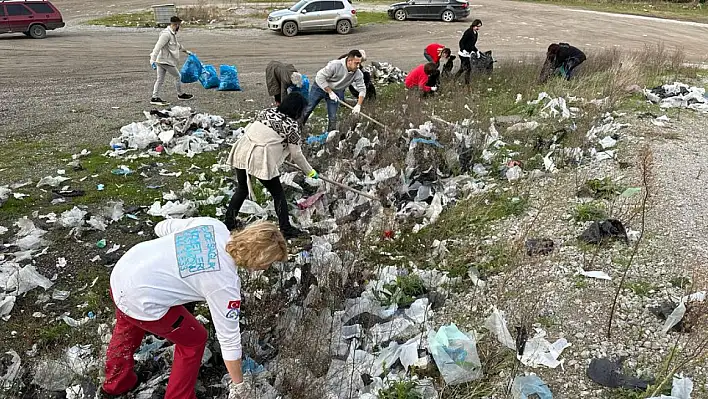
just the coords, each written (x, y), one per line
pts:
(292, 232)
(185, 96)
(158, 101)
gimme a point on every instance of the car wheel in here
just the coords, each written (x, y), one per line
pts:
(344, 27)
(290, 29)
(37, 32)
(400, 15)
(448, 16)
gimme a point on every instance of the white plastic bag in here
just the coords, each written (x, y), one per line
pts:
(455, 354)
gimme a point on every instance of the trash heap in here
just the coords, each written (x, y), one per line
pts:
(175, 131)
(384, 73)
(679, 95)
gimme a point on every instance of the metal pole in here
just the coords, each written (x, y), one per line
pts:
(344, 186)
(364, 115)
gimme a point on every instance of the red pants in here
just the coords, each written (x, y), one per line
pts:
(179, 327)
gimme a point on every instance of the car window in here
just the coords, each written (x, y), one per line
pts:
(2, 10)
(314, 6)
(40, 8)
(17, 9)
(299, 5)
(333, 5)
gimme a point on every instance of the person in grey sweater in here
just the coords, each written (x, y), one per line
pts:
(330, 83)
(165, 59)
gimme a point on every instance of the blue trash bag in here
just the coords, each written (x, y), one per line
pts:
(191, 69)
(228, 80)
(209, 78)
(304, 90)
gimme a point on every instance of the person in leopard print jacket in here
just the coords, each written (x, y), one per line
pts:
(273, 136)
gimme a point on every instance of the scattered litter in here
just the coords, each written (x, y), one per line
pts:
(56, 375)
(51, 181)
(455, 354)
(72, 218)
(523, 127)
(679, 95)
(23, 280)
(173, 209)
(101, 243)
(681, 389)
(114, 248)
(539, 352)
(608, 142)
(530, 386)
(496, 324)
(598, 274)
(601, 231)
(60, 295)
(609, 374)
(13, 371)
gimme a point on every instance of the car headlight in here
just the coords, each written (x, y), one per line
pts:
(273, 19)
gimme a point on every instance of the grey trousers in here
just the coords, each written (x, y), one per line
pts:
(162, 69)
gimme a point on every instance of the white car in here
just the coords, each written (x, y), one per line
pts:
(314, 15)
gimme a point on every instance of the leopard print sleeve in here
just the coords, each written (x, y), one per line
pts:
(286, 127)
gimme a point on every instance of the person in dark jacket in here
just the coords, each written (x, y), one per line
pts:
(561, 59)
(468, 49)
(279, 77)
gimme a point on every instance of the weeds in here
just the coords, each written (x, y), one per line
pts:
(589, 212)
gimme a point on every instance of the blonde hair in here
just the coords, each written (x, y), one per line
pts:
(257, 246)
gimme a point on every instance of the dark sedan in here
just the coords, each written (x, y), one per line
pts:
(446, 10)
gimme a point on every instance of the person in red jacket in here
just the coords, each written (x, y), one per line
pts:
(435, 52)
(424, 77)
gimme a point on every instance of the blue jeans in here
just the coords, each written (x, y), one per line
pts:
(317, 95)
(427, 56)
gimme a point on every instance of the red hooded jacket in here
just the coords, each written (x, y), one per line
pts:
(418, 78)
(433, 50)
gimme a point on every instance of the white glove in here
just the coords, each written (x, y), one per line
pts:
(356, 109)
(239, 391)
(479, 54)
(434, 88)
(333, 96)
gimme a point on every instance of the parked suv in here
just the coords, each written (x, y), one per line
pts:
(308, 15)
(31, 17)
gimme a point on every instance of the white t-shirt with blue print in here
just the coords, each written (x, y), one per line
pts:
(187, 263)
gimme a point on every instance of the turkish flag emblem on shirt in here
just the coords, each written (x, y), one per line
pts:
(234, 305)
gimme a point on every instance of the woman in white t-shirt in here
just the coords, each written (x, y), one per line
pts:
(191, 260)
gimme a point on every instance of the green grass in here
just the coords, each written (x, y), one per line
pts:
(657, 9)
(589, 212)
(146, 19)
(142, 19)
(372, 17)
(640, 288)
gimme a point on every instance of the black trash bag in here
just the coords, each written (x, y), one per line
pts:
(539, 246)
(609, 374)
(604, 230)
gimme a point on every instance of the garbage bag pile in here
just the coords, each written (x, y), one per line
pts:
(384, 73)
(679, 95)
(178, 130)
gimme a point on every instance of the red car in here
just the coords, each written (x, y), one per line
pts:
(31, 17)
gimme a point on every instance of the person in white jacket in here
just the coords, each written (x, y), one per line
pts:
(273, 136)
(330, 83)
(193, 260)
(165, 59)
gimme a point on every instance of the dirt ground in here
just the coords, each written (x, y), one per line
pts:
(68, 84)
